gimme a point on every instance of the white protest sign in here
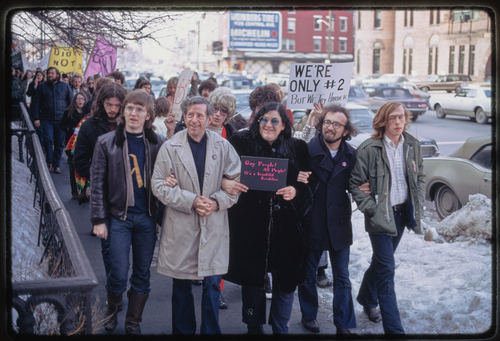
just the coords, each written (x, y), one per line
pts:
(181, 93)
(318, 82)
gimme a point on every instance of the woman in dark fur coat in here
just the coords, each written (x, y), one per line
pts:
(266, 230)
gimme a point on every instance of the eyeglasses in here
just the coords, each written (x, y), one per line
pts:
(274, 121)
(222, 112)
(336, 125)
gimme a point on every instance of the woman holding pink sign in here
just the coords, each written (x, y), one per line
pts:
(266, 233)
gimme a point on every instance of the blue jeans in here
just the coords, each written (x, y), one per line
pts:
(138, 231)
(343, 307)
(53, 139)
(183, 315)
(254, 307)
(377, 286)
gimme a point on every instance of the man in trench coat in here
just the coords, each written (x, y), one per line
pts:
(194, 244)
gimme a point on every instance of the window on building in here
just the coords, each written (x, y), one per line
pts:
(461, 58)
(358, 56)
(405, 56)
(438, 17)
(378, 19)
(430, 60)
(431, 20)
(291, 25)
(451, 62)
(459, 15)
(436, 62)
(292, 11)
(317, 43)
(410, 61)
(408, 21)
(411, 18)
(472, 57)
(343, 24)
(376, 61)
(288, 44)
(359, 19)
(317, 22)
(343, 45)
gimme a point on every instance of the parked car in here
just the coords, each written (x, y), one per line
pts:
(362, 118)
(358, 79)
(450, 82)
(236, 82)
(129, 83)
(370, 87)
(416, 92)
(358, 96)
(242, 106)
(387, 78)
(473, 101)
(451, 179)
(157, 85)
(415, 106)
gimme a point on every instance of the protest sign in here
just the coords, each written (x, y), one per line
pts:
(17, 61)
(66, 59)
(263, 174)
(181, 93)
(102, 60)
(318, 82)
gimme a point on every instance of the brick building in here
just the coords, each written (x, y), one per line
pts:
(305, 38)
(423, 42)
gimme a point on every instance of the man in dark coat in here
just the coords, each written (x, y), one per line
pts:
(332, 159)
(48, 105)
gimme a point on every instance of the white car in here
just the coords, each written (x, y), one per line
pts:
(473, 101)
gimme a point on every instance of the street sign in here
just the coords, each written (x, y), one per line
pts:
(255, 31)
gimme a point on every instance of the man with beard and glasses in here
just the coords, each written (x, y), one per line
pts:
(332, 159)
(48, 105)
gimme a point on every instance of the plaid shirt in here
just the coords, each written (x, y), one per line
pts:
(395, 154)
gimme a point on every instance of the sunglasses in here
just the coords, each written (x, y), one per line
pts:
(274, 121)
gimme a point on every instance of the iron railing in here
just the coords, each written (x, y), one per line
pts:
(72, 278)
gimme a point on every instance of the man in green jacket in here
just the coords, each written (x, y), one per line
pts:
(391, 162)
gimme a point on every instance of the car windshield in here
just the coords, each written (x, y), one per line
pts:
(156, 86)
(483, 157)
(356, 92)
(362, 118)
(432, 78)
(242, 106)
(396, 93)
(487, 93)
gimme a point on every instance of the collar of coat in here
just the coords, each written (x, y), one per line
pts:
(180, 138)
(316, 147)
(121, 134)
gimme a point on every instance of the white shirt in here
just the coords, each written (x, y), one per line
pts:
(160, 126)
(395, 154)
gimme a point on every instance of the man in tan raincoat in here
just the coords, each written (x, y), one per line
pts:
(194, 243)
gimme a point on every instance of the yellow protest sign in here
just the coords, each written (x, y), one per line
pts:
(66, 59)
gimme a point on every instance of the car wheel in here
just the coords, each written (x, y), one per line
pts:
(414, 116)
(446, 201)
(481, 117)
(425, 88)
(457, 89)
(439, 112)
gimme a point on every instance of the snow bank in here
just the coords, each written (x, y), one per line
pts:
(471, 223)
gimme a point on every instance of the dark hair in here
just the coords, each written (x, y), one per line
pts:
(36, 74)
(333, 108)
(207, 84)
(117, 75)
(76, 75)
(90, 77)
(144, 82)
(98, 84)
(190, 101)
(381, 119)
(139, 97)
(138, 82)
(108, 90)
(25, 76)
(162, 106)
(72, 105)
(254, 127)
(58, 74)
(261, 95)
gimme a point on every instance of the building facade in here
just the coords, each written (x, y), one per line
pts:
(423, 42)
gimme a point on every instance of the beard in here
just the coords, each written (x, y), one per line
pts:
(52, 81)
(331, 139)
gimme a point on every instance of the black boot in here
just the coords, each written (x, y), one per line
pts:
(133, 319)
(113, 303)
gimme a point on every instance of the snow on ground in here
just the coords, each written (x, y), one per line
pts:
(25, 218)
(442, 288)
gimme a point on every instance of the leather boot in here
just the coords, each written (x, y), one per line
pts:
(133, 319)
(113, 304)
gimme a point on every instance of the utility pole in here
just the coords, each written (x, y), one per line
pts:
(330, 47)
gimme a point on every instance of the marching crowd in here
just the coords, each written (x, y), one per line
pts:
(148, 176)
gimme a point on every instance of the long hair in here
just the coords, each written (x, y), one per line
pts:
(36, 74)
(381, 119)
(162, 106)
(207, 84)
(108, 90)
(254, 127)
(72, 106)
(223, 97)
(333, 108)
(138, 82)
(138, 97)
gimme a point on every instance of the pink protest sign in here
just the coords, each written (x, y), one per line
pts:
(103, 58)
